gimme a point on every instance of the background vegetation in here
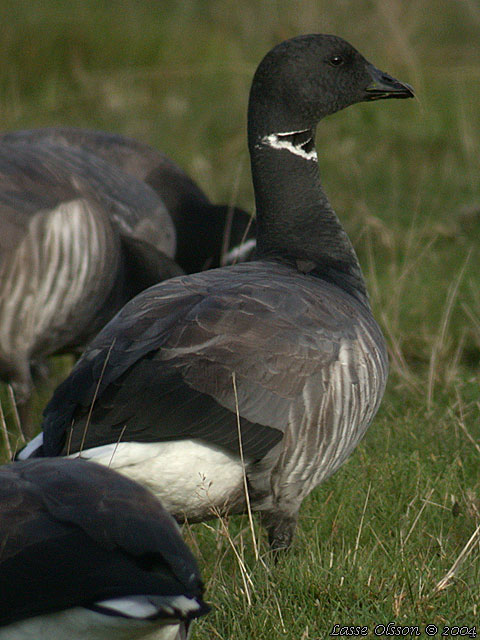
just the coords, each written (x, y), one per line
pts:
(378, 541)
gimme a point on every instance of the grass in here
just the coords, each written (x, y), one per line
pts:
(377, 540)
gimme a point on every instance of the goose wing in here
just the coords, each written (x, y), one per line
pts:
(178, 359)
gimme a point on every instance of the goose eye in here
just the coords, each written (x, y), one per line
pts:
(336, 61)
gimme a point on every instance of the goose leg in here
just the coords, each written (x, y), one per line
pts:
(280, 527)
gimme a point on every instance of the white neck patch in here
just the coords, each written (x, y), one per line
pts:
(285, 139)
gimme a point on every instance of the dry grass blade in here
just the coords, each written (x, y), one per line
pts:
(473, 318)
(447, 312)
(216, 634)
(279, 609)
(245, 484)
(246, 579)
(227, 232)
(359, 533)
(414, 256)
(116, 444)
(244, 238)
(461, 424)
(3, 427)
(463, 555)
(398, 360)
(16, 417)
(425, 501)
(90, 411)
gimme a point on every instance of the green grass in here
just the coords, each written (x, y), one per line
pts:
(404, 176)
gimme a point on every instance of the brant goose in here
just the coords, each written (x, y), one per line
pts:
(78, 239)
(263, 375)
(204, 231)
(87, 553)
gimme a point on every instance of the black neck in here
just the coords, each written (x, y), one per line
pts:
(295, 222)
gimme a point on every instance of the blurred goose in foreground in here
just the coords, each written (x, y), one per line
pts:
(88, 554)
(288, 342)
(206, 232)
(78, 239)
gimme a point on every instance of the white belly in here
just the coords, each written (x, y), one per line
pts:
(188, 476)
(81, 624)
